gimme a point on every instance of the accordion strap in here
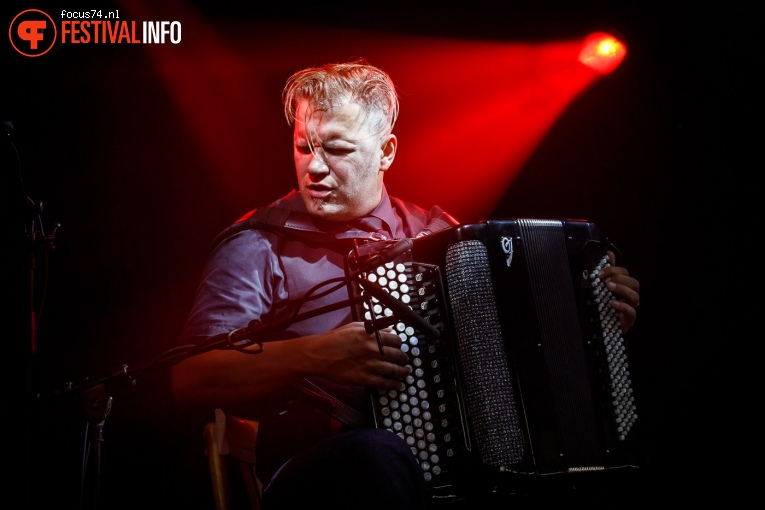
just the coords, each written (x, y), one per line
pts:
(342, 412)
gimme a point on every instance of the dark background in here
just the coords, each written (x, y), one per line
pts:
(674, 187)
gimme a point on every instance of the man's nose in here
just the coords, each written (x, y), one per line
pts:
(318, 164)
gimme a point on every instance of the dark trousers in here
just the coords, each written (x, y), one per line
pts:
(365, 468)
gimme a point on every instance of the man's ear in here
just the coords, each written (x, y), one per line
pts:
(388, 152)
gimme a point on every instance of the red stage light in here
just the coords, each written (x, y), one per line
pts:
(602, 52)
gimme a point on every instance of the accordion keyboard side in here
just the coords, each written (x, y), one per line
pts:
(427, 413)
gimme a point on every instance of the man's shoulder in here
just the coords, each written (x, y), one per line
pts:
(419, 221)
(285, 215)
(243, 233)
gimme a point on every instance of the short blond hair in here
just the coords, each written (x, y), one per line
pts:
(331, 85)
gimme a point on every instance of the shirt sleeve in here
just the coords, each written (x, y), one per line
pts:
(241, 281)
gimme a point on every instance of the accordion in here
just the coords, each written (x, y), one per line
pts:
(519, 367)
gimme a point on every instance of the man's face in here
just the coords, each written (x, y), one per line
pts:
(340, 158)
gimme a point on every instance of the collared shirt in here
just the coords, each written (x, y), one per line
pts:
(268, 265)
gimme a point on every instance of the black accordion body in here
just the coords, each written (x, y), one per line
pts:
(521, 373)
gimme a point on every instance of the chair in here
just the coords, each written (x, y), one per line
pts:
(230, 444)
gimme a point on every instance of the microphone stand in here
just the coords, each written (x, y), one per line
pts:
(96, 393)
(21, 219)
(38, 241)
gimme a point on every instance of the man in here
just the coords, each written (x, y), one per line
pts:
(308, 385)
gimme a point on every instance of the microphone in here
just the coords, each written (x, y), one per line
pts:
(400, 310)
(7, 128)
(385, 255)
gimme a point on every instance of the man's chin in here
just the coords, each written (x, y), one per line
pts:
(324, 210)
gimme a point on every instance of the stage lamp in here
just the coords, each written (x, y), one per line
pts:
(602, 52)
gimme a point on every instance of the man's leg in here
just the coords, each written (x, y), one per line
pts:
(366, 468)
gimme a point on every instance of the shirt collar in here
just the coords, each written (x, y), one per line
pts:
(385, 212)
(303, 221)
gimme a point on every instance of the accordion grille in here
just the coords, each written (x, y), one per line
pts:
(488, 384)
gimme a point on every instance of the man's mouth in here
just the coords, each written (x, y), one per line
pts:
(318, 191)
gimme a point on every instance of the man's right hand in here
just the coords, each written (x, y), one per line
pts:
(349, 355)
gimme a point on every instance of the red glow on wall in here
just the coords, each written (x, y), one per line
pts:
(472, 112)
(481, 111)
(602, 52)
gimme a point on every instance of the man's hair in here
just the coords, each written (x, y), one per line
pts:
(332, 85)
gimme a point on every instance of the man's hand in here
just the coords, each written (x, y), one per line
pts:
(626, 290)
(349, 355)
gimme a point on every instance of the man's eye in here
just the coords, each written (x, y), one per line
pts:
(303, 149)
(337, 151)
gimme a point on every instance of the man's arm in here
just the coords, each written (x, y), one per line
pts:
(347, 355)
